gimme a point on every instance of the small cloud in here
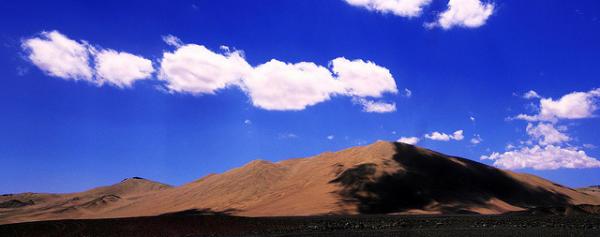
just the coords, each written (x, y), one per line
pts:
(472, 119)
(438, 136)
(62, 57)
(287, 136)
(59, 56)
(121, 69)
(589, 146)
(225, 48)
(407, 93)
(409, 140)
(330, 137)
(172, 40)
(476, 139)
(403, 8)
(247, 122)
(370, 106)
(463, 13)
(531, 95)
(575, 105)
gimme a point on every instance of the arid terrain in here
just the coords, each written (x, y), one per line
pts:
(202, 224)
(402, 181)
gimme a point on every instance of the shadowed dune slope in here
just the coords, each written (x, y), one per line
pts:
(381, 178)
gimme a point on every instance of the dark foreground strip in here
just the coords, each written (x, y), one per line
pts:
(220, 225)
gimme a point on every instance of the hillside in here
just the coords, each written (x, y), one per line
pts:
(381, 178)
(88, 204)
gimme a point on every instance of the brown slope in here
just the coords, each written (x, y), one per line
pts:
(591, 190)
(88, 204)
(382, 177)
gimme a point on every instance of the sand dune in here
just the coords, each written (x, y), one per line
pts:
(382, 178)
(88, 204)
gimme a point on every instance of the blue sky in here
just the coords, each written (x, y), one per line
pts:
(297, 78)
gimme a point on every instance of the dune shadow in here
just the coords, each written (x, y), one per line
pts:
(429, 178)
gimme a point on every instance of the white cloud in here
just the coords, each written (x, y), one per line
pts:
(405, 8)
(330, 137)
(545, 148)
(576, 105)
(287, 136)
(476, 139)
(409, 140)
(458, 135)
(196, 70)
(276, 85)
(531, 95)
(589, 146)
(464, 13)
(363, 78)
(472, 119)
(370, 106)
(247, 122)
(438, 136)
(121, 69)
(407, 93)
(172, 40)
(59, 56)
(543, 158)
(546, 134)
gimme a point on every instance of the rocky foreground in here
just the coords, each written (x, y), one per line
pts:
(520, 224)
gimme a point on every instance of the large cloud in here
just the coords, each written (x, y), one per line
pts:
(195, 69)
(575, 105)
(405, 8)
(276, 85)
(121, 69)
(59, 56)
(543, 158)
(464, 13)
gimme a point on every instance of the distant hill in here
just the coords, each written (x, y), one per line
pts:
(381, 178)
(89, 204)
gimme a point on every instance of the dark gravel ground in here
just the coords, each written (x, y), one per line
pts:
(376, 225)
